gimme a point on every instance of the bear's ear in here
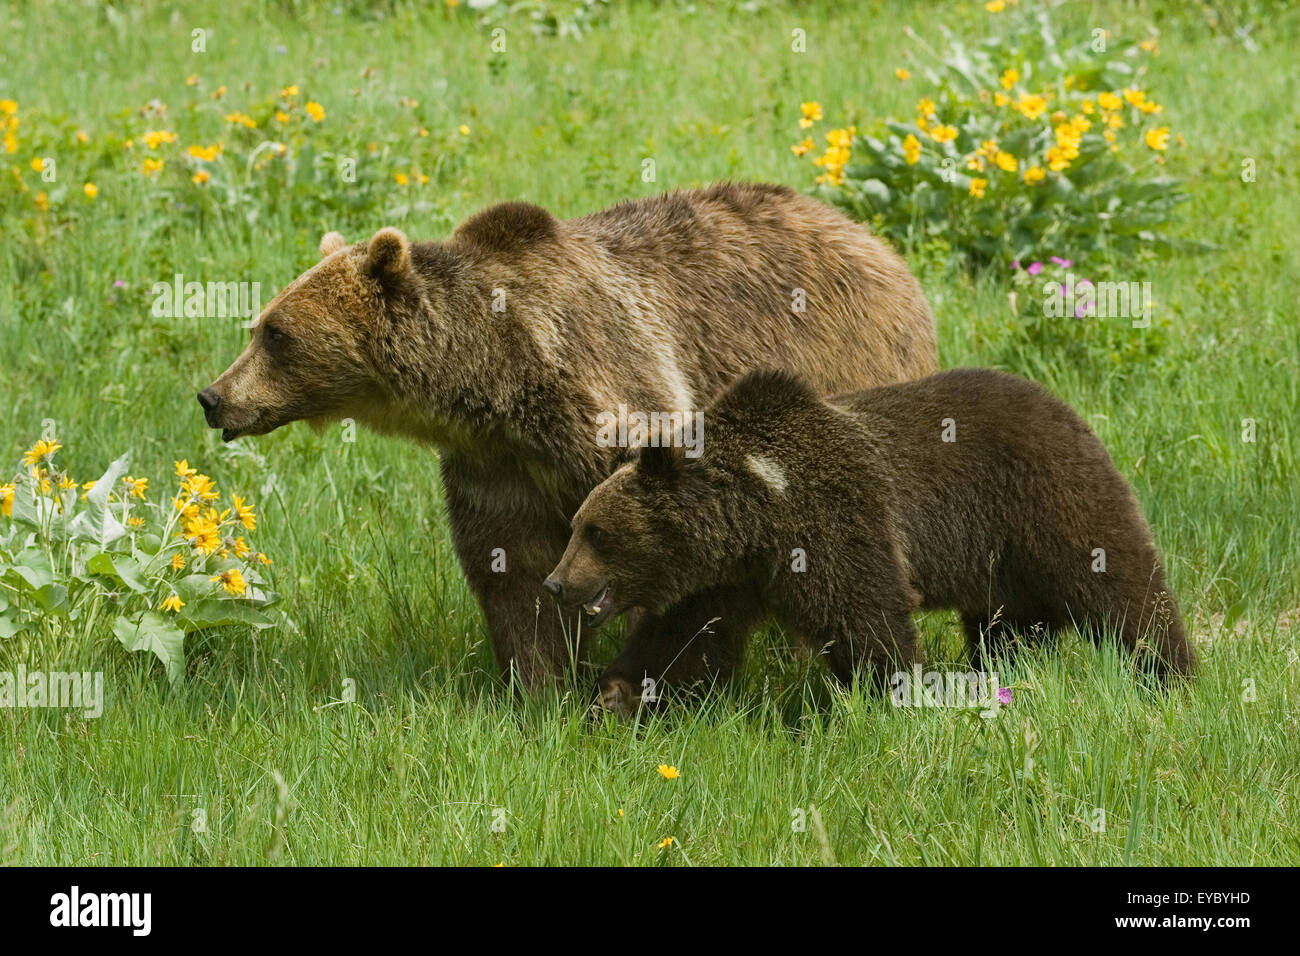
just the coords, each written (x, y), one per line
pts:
(331, 243)
(663, 461)
(388, 255)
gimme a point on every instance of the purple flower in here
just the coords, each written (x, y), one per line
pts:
(1015, 264)
(1063, 263)
(119, 283)
(1004, 695)
(1034, 268)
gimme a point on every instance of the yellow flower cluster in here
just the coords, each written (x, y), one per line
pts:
(9, 122)
(1068, 136)
(838, 149)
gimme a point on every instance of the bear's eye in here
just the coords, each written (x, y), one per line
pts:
(275, 336)
(597, 536)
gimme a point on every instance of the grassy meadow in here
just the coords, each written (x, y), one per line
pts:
(374, 729)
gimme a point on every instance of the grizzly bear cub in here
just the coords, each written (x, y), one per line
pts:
(970, 490)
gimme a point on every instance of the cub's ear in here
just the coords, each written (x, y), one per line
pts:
(331, 243)
(388, 255)
(663, 462)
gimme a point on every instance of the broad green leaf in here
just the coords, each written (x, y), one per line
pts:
(121, 568)
(155, 633)
(98, 523)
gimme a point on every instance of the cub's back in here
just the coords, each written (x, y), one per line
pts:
(988, 464)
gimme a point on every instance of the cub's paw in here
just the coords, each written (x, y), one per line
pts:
(617, 695)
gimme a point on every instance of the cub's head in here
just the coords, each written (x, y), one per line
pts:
(307, 357)
(648, 536)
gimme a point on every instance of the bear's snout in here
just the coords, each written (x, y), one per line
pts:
(211, 403)
(554, 588)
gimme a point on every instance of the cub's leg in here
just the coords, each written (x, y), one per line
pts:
(990, 639)
(695, 645)
(506, 547)
(873, 646)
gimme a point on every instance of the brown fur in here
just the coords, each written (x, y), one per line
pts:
(999, 524)
(655, 303)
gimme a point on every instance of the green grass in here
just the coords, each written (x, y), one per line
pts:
(415, 770)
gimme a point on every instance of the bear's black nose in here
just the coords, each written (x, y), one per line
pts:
(553, 587)
(210, 401)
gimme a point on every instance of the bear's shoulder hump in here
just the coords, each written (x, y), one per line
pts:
(508, 226)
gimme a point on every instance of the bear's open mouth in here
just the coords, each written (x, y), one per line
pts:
(596, 611)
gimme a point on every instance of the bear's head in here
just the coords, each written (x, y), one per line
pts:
(307, 355)
(654, 532)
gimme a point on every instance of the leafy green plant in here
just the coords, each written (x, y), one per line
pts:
(1023, 148)
(101, 554)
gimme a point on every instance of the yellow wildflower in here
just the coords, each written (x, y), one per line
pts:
(1109, 101)
(668, 772)
(200, 488)
(201, 177)
(843, 138)
(151, 165)
(944, 134)
(315, 111)
(8, 107)
(41, 450)
(802, 148)
(1009, 78)
(156, 137)
(1005, 161)
(1001, 99)
(244, 513)
(901, 73)
(995, 6)
(1031, 105)
(911, 149)
(664, 843)
(172, 603)
(136, 486)
(1034, 174)
(91, 190)
(289, 91)
(178, 561)
(7, 500)
(1158, 139)
(977, 187)
(232, 580)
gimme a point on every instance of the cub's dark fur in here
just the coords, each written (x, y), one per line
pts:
(969, 490)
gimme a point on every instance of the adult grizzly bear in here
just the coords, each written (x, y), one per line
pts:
(503, 345)
(970, 490)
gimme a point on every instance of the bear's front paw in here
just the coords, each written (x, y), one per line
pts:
(618, 695)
